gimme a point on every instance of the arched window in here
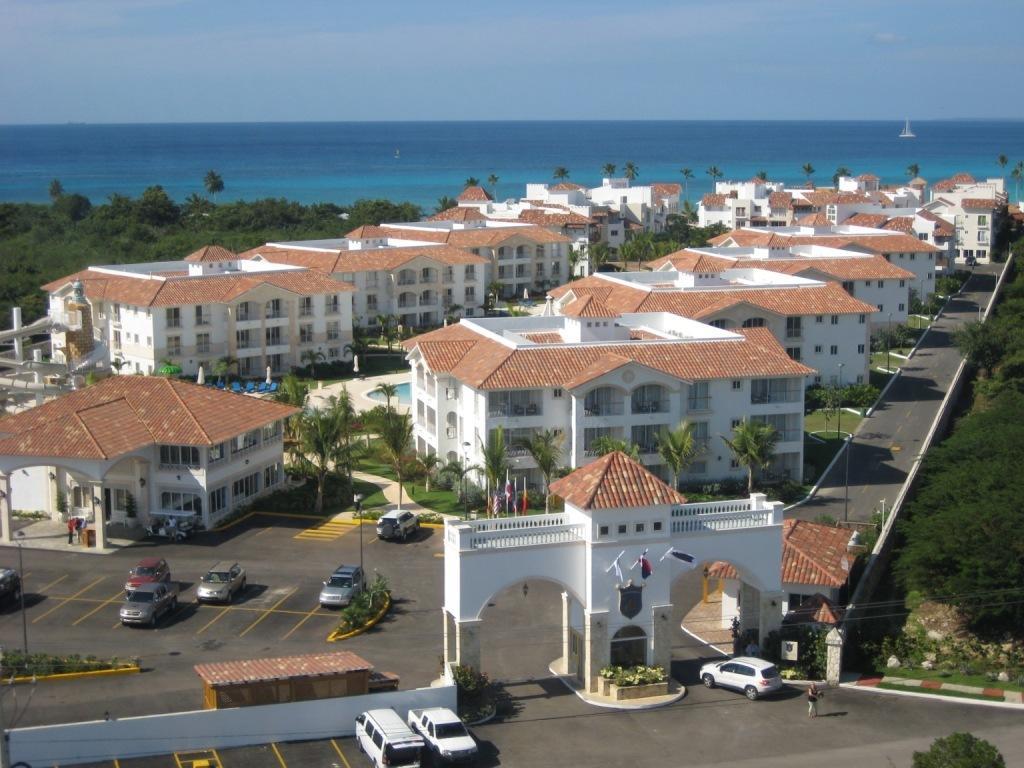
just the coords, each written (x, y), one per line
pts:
(629, 647)
(754, 322)
(723, 324)
(650, 398)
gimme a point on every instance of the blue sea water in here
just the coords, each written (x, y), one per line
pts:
(420, 162)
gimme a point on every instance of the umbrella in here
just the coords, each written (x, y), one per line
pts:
(268, 375)
(355, 363)
(526, 294)
(170, 369)
(201, 377)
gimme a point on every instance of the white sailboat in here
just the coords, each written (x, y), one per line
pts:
(906, 133)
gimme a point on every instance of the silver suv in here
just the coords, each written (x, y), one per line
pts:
(397, 524)
(221, 583)
(345, 584)
(148, 602)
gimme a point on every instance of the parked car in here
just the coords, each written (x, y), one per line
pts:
(751, 676)
(344, 584)
(149, 570)
(10, 586)
(447, 739)
(221, 583)
(148, 602)
(397, 524)
(387, 740)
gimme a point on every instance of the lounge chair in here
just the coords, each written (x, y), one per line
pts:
(262, 387)
(250, 387)
(236, 387)
(273, 387)
(219, 385)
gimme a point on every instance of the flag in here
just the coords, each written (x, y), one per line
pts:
(615, 565)
(524, 499)
(497, 504)
(508, 487)
(645, 565)
(689, 562)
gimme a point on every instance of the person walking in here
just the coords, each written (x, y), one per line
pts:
(813, 694)
(71, 530)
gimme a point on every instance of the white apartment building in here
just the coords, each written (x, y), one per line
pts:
(974, 208)
(868, 277)
(816, 323)
(755, 202)
(131, 449)
(594, 372)
(903, 250)
(214, 304)
(418, 284)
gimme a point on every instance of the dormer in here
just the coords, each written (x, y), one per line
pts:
(589, 319)
(211, 260)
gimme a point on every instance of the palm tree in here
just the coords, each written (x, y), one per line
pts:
(687, 176)
(762, 175)
(545, 448)
(913, 171)
(606, 444)
(1018, 174)
(561, 173)
(292, 391)
(396, 447)
(678, 448)
(808, 170)
(472, 181)
(213, 182)
(389, 391)
(493, 181)
(608, 170)
(630, 171)
(495, 454)
(319, 443)
(599, 254)
(842, 170)
(312, 357)
(715, 174)
(643, 248)
(223, 366)
(753, 446)
(428, 464)
(689, 212)
(56, 190)
(493, 290)
(444, 203)
(349, 427)
(383, 321)
(1002, 160)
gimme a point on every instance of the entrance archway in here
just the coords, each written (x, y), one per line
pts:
(629, 647)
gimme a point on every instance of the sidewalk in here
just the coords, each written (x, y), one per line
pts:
(390, 488)
(53, 535)
(995, 694)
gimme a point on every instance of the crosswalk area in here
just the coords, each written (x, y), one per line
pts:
(327, 530)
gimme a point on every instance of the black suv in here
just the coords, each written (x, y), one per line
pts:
(10, 586)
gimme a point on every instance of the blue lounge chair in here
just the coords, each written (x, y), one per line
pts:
(273, 387)
(236, 387)
(250, 387)
(220, 385)
(262, 387)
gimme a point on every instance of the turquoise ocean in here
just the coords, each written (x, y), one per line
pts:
(421, 161)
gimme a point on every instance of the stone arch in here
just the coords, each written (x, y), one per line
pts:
(629, 646)
(649, 397)
(605, 399)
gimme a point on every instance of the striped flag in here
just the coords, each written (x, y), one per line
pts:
(496, 506)
(689, 562)
(645, 565)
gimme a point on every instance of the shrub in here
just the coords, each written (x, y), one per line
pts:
(629, 676)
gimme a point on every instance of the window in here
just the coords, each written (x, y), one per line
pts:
(819, 319)
(218, 500)
(639, 528)
(333, 331)
(244, 339)
(216, 453)
(245, 486)
(881, 283)
(656, 526)
(181, 501)
(835, 319)
(202, 343)
(794, 327)
(305, 333)
(174, 345)
(470, 273)
(622, 529)
(179, 455)
(983, 221)
(270, 431)
(556, 392)
(273, 335)
(698, 398)
(80, 497)
(902, 307)
(903, 283)
(244, 442)
(733, 423)
(245, 311)
(860, 349)
(867, 283)
(737, 385)
(333, 304)
(602, 530)
(371, 302)
(173, 317)
(817, 349)
(881, 307)
(793, 352)
(860, 378)
(754, 322)
(719, 324)
(274, 309)
(834, 349)
(271, 475)
(862, 319)
(305, 306)
(470, 293)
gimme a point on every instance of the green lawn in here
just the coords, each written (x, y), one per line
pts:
(935, 692)
(879, 359)
(438, 500)
(918, 323)
(373, 496)
(815, 422)
(947, 676)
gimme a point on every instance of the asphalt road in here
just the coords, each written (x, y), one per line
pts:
(887, 444)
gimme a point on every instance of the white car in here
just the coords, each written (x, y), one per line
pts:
(751, 676)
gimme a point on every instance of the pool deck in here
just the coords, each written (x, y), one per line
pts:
(359, 390)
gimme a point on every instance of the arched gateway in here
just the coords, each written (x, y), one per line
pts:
(622, 540)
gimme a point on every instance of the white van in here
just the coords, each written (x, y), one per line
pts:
(387, 740)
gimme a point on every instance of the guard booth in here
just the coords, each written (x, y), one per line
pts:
(254, 682)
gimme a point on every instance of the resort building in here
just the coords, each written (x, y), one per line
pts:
(596, 372)
(418, 284)
(817, 323)
(974, 208)
(212, 305)
(135, 449)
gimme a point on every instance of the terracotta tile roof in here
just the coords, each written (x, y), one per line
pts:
(666, 189)
(486, 364)
(873, 267)
(873, 220)
(211, 253)
(566, 186)
(474, 194)
(493, 236)
(600, 366)
(687, 261)
(963, 178)
(814, 220)
(548, 219)
(544, 338)
(978, 203)
(942, 227)
(377, 259)
(713, 200)
(917, 181)
(183, 289)
(459, 213)
(588, 306)
(639, 334)
(266, 670)
(894, 242)
(899, 224)
(124, 413)
(321, 260)
(951, 183)
(812, 553)
(867, 177)
(614, 481)
(780, 201)
(369, 232)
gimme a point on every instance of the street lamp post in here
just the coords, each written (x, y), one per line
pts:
(839, 403)
(846, 484)
(888, 345)
(465, 471)
(358, 499)
(21, 577)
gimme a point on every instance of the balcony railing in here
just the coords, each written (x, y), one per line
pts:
(732, 515)
(603, 409)
(524, 409)
(650, 406)
(698, 404)
(503, 533)
(784, 396)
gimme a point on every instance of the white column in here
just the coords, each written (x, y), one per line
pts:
(595, 647)
(467, 643)
(662, 637)
(99, 519)
(566, 620)
(5, 508)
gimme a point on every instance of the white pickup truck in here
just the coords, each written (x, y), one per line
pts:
(447, 739)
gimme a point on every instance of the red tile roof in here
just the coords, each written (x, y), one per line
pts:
(900, 224)
(872, 267)
(372, 259)
(780, 201)
(588, 306)
(814, 220)
(978, 203)
(474, 194)
(867, 177)
(124, 413)
(713, 200)
(873, 220)
(614, 481)
(211, 253)
(266, 670)
(549, 219)
(459, 213)
(666, 189)
(816, 609)
(566, 186)
(701, 263)
(812, 553)
(894, 242)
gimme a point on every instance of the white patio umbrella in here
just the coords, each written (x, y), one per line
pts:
(526, 294)
(201, 376)
(268, 375)
(355, 363)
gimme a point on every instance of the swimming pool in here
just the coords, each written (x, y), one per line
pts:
(404, 395)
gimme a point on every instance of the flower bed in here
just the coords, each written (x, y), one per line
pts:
(16, 664)
(640, 682)
(365, 607)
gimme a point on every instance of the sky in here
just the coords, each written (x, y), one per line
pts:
(127, 61)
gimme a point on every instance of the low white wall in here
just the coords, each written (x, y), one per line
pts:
(30, 489)
(210, 729)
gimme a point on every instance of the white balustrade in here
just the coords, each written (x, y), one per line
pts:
(500, 533)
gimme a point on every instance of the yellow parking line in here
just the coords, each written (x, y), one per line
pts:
(268, 612)
(106, 602)
(68, 599)
(302, 621)
(217, 758)
(53, 583)
(277, 754)
(116, 763)
(260, 533)
(214, 619)
(340, 753)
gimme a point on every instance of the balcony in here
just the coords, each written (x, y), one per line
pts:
(514, 409)
(406, 281)
(602, 409)
(510, 532)
(698, 404)
(651, 406)
(732, 515)
(781, 396)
